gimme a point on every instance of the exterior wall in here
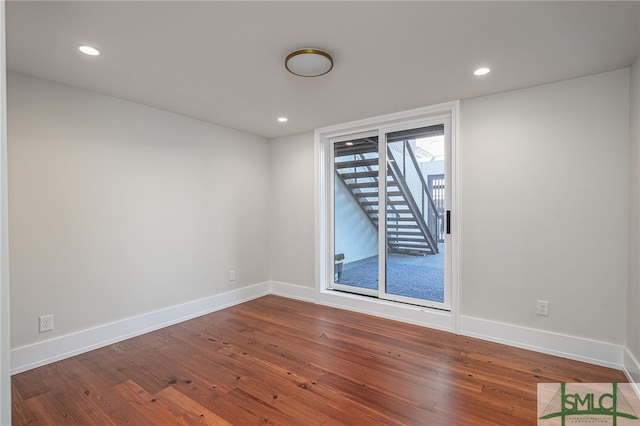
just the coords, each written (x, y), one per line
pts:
(355, 236)
(117, 209)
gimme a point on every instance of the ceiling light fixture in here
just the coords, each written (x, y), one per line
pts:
(88, 50)
(481, 71)
(283, 119)
(309, 62)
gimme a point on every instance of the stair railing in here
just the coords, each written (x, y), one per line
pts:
(432, 212)
(375, 179)
(427, 217)
(426, 214)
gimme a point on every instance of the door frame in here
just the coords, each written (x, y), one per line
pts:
(432, 317)
(384, 131)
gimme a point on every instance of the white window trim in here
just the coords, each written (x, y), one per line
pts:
(424, 316)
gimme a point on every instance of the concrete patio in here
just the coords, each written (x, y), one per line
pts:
(420, 277)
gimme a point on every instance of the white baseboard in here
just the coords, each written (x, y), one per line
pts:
(440, 320)
(600, 353)
(631, 368)
(426, 317)
(41, 353)
(293, 291)
(576, 348)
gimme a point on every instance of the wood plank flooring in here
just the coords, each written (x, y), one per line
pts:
(279, 361)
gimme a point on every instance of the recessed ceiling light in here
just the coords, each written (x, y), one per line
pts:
(88, 50)
(283, 119)
(481, 71)
(349, 143)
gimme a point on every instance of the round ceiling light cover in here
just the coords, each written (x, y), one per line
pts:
(309, 62)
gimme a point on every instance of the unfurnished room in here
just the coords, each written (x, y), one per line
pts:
(319, 212)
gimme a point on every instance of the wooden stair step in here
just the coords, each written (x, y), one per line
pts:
(356, 163)
(389, 203)
(357, 175)
(417, 245)
(408, 240)
(370, 194)
(404, 233)
(411, 251)
(355, 149)
(398, 226)
(358, 185)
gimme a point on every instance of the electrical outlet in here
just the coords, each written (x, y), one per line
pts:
(46, 323)
(232, 275)
(542, 308)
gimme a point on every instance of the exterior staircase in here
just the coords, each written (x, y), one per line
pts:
(412, 227)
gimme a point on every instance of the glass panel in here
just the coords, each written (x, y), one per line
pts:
(356, 213)
(415, 213)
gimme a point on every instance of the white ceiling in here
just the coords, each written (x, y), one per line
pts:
(223, 62)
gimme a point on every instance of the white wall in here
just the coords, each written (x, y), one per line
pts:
(432, 168)
(355, 235)
(292, 210)
(5, 344)
(544, 209)
(633, 295)
(544, 206)
(117, 209)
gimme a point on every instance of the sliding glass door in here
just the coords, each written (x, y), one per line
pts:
(415, 246)
(356, 204)
(390, 204)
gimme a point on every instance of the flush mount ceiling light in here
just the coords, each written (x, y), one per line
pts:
(309, 62)
(88, 50)
(283, 119)
(482, 71)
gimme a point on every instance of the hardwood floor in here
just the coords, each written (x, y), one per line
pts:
(279, 361)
